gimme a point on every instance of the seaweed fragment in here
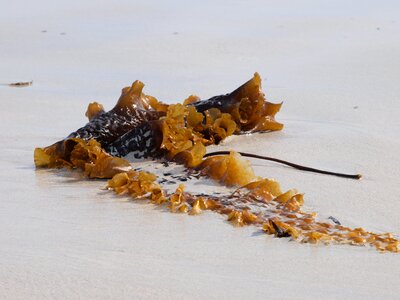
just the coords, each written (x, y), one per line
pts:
(21, 84)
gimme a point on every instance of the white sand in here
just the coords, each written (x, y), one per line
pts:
(61, 237)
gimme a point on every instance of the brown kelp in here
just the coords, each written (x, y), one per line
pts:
(141, 125)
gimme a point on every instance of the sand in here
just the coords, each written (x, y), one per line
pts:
(336, 67)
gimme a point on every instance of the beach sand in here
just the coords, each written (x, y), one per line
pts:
(334, 64)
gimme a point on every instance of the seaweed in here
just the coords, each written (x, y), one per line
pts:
(144, 127)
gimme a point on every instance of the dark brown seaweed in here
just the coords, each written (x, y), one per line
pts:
(246, 105)
(132, 110)
(141, 125)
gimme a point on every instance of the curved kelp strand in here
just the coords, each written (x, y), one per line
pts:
(284, 162)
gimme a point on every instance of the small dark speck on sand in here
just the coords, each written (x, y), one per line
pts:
(175, 32)
(334, 220)
(62, 33)
(355, 106)
(167, 174)
(165, 163)
(21, 84)
(44, 31)
(378, 28)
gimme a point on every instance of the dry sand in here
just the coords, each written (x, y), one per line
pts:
(334, 64)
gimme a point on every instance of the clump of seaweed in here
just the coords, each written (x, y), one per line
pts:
(142, 125)
(181, 132)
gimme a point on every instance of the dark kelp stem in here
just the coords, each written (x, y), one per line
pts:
(296, 166)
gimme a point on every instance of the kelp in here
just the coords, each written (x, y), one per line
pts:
(133, 110)
(86, 156)
(228, 169)
(142, 125)
(146, 127)
(247, 106)
(259, 202)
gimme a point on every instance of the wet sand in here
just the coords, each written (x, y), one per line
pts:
(334, 65)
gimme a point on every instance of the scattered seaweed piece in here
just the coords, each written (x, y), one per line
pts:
(261, 204)
(21, 84)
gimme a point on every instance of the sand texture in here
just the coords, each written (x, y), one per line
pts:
(336, 66)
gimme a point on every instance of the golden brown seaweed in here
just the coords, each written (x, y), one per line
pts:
(94, 109)
(132, 110)
(146, 127)
(259, 203)
(181, 132)
(86, 156)
(247, 106)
